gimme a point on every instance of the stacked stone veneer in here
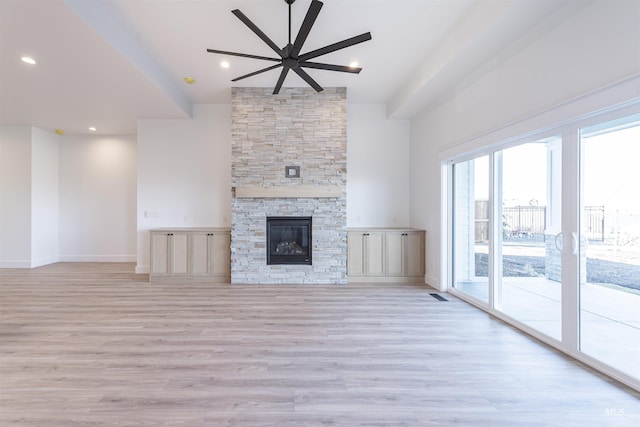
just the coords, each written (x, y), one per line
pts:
(297, 127)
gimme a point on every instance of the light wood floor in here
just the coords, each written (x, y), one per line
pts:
(94, 344)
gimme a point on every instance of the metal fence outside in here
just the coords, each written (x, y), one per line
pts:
(592, 223)
(524, 223)
(527, 223)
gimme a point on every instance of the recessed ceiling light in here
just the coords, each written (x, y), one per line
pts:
(224, 64)
(189, 80)
(28, 60)
(353, 64)
(59, 131)
(92, 129)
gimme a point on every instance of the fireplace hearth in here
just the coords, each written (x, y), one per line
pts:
(289, 240)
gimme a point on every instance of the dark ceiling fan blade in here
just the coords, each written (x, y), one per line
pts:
(241, 16)
(330, 67)
(283, 75)
(307, 78)
(305, 28)
(264, 70)
(336, 46)
(244, 55)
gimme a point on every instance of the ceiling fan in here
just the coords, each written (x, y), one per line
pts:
(289, 56)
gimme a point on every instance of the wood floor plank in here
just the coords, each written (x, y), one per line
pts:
(94, 344)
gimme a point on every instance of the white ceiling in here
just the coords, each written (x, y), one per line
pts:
(108, 63)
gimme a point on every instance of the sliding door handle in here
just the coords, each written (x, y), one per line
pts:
(574, 243)
(578, 242)
(559, 247)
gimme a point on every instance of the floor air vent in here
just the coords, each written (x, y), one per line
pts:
(439, 297)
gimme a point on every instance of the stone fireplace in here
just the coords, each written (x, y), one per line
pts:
(289, 240)
(289, 160)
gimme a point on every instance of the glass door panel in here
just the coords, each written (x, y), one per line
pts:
(608, 245)
(529, 287)
(471, 228)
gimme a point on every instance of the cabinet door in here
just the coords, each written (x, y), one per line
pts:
(179, 253)
(414, 254)
(159, 254)
(355, 254)
(220, 254)
(200, 253)
(374, 250)
(394, 248)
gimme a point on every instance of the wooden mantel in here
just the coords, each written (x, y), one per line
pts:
(290, 191)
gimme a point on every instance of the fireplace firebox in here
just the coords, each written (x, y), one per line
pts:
(288, 240)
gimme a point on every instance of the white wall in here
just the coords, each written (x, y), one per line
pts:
(97, 198)
(65, 198)
(90, 193)
(557, 74)
(184, 174)
(15, 196)
(44, 197)
(377, 168)
(184, 171)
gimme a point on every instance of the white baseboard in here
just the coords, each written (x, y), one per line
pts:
(15, 264)
(98, 258)
(44, 261)
(433, 281)
(142, 269)
(73, 258)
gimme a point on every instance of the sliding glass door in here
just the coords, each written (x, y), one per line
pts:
(609, 243)
(547, 234)
(529, 281)
(471, 227)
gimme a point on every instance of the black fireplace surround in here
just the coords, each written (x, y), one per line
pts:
(288, 240)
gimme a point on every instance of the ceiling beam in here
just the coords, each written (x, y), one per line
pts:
(470, 49)
(105, 21)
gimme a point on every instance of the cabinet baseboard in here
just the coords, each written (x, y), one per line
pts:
(378, 279)
(189, 279)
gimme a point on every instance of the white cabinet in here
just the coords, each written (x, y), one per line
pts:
(385, 255)
(200, 253)
(405, 253)
(365, 254)
(169, 253)
(190, 254)
(160, 252)
(210, 253)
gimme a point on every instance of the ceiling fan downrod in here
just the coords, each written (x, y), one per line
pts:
(289, 2)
